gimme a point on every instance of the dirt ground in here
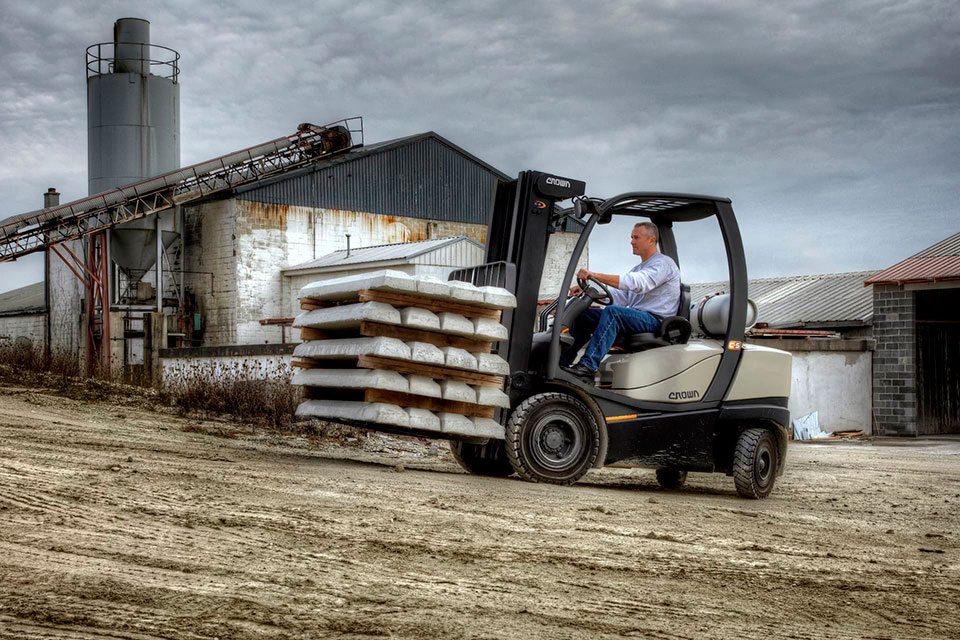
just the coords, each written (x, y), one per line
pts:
(118, 521)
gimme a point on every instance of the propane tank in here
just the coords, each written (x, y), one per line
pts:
(709, 316)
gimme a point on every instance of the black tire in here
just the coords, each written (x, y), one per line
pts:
(552, 437)
(482, 459)
(671, 478)
(755, 463)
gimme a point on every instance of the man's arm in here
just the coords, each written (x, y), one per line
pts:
(611, 280)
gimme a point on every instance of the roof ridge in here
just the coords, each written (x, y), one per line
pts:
(394, 244)
(811, 276)
(948, 241)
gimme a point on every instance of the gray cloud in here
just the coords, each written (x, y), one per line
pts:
(833, 126)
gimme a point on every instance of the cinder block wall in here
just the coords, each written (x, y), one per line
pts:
(894, 360)
(32, 327)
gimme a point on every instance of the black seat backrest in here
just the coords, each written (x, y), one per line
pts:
(684, 310)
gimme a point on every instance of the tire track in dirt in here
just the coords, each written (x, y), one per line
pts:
(134, 528)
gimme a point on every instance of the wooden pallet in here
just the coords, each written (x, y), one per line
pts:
(430, 371)
(405, 300)
(430, 404)
(379, 329)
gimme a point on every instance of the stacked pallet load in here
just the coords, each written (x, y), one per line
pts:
(409, 353)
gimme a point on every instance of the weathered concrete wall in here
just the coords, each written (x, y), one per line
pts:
(32, 327)
(269, 238)
(64, 294)
(559, 248)
(272, 237)
(831, 377)
(211, 267)
(246, 244)
(248, 362)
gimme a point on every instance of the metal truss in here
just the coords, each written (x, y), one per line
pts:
(26, 234)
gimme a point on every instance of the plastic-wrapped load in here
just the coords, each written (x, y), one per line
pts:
(409, 353)
(342, 349)
(348, 316)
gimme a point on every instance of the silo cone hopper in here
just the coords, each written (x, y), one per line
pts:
(133, 245)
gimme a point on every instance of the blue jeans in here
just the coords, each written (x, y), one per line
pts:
(600, 327)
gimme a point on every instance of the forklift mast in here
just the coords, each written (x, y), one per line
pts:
(519, 229)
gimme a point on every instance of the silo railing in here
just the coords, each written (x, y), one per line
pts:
(133, 57)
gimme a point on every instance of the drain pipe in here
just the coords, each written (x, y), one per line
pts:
(348, 244)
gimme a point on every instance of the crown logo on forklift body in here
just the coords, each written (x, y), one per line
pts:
(560, 188)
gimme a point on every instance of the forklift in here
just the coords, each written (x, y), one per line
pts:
(688, 397)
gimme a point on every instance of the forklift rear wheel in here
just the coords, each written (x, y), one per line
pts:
(482, 459)
(755, 463)
(552, 437)
(671, 478)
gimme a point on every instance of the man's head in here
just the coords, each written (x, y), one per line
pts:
(643, 239)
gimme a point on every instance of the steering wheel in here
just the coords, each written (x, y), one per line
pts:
(605, 300)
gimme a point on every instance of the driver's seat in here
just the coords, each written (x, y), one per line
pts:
(673, 330)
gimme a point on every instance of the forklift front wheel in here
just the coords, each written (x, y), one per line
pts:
(552, 437)
(755, 462)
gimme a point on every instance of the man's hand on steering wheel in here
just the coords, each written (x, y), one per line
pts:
(584, 278)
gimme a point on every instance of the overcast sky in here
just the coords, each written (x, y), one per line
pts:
(833, 126)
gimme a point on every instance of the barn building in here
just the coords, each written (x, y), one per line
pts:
(916, 321)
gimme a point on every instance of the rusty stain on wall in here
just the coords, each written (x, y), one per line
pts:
(368, 229)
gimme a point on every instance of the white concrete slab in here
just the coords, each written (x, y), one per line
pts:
(465, 293)
(346, 288)
(491, 397)
(376, 412)
(489, 329)
(344, 348)
(432, 286)
(455, 324)
(458, 391)
(423, 419)
(426, 353)
(459, 358)
(352, 379)
(417, 318)
(457, 424)
(423, 386)
(487, 428)
(492, 363)
(348, 316)
(498, 297)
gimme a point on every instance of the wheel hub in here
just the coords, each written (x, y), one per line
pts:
(553, 439)
(556, 441)
(763, 466)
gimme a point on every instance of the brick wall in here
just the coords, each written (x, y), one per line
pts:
(894, 360)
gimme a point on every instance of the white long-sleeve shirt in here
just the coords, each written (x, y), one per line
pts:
(653, 285)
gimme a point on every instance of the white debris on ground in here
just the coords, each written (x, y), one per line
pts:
(808, 428)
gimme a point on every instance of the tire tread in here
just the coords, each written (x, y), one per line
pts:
(513, 437)
(743, 463)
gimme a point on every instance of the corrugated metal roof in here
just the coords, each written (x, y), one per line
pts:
(421, 176)
(937, 262)
(406, 251)
(826, 300)
(28, 298)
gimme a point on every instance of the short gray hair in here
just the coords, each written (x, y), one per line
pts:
(649, 228)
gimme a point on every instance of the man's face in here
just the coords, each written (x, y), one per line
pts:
(640, 241)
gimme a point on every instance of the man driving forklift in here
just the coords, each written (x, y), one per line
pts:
(642, 298)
